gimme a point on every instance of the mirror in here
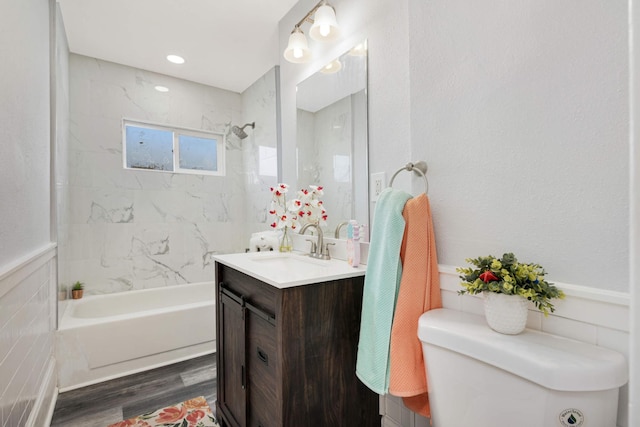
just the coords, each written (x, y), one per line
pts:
(332, 137)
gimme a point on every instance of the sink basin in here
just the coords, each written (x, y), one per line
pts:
(284, 270)
(289, 260)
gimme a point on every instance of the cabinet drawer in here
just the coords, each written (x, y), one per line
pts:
(253, 290)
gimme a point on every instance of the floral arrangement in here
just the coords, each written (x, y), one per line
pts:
(306, 208)
(508, 276)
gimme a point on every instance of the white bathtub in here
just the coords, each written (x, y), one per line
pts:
(107, 336)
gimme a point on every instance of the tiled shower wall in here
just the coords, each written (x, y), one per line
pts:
(132, 229)
(259, 104)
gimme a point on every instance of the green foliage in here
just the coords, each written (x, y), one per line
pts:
(508, 276)
(78, 286)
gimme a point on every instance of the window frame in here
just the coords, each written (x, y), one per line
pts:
(176, 131)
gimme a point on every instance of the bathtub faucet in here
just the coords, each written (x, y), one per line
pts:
(318, 249)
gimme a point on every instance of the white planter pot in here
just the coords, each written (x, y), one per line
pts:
(506, 314)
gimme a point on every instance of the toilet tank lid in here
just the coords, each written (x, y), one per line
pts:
(554, 362)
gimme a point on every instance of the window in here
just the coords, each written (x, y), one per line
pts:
(161, 148)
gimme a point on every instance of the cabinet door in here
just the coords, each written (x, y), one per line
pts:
(262, 362)
(231, 372)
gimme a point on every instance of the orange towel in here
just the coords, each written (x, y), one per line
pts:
(419, 292)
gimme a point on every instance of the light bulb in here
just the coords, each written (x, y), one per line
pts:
(325, 29)
(297, 52)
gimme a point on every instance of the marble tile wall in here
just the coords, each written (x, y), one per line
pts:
(138, 229)
(259, 105)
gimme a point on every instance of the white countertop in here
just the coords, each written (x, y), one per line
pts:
(285, 270)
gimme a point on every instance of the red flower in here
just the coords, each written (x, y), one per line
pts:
(272, 212)
(171, 414)
(320, 188)
(194, 417)
(274, 225)
(278, 193)
(488, 276)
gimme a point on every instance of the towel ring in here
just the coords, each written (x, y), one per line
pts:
(419, 168)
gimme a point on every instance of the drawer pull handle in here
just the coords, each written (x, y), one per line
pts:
(243, 378)
(264, 358)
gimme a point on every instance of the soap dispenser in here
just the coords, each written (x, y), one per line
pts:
(353, 243)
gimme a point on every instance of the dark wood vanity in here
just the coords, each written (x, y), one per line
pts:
(287, 357)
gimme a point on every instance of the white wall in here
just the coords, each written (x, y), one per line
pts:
(634, 389)
(27, 257)
(24, 153)
(520, 110)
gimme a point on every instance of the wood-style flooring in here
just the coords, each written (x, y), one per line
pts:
(109, 402)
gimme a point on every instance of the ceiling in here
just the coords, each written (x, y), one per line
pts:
(227, 44)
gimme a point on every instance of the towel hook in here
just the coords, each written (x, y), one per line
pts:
(419, 168)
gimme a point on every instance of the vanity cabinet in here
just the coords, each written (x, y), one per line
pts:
(287, 357)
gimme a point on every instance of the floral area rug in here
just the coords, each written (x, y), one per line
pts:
(191, 413)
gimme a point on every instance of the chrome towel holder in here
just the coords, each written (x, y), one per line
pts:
(419, 168)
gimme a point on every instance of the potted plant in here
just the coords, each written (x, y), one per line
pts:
(77, 289)
(508, 285)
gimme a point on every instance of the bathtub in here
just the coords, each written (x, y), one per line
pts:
(108, 336)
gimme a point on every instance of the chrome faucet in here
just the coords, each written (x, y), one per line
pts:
(318, 250)
(339, 227)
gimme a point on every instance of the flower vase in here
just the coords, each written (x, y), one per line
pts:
(285, 241)
(506, 314)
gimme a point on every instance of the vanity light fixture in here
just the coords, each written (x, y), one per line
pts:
(298, 50)
(324, 28)
(175, 59)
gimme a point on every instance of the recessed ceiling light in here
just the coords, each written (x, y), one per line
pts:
(175, 59)
(162, 89)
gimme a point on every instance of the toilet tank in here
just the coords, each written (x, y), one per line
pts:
(478, 377)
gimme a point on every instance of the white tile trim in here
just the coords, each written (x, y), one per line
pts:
(592, 306)
(14, 273)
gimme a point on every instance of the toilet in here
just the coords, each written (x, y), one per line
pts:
(480, 378)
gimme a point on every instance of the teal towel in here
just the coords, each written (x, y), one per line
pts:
(381, 283)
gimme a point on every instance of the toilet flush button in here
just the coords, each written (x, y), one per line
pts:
(571, 418)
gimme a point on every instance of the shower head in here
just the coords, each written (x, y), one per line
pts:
(239, 131)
